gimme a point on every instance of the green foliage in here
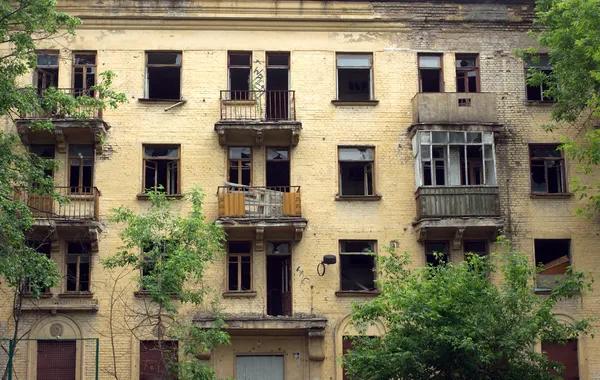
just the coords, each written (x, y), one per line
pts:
(451, 322)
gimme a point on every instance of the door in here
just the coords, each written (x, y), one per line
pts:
(278, 72)
(259, 368)
(279, 286)
(56, 359)
(565, 354)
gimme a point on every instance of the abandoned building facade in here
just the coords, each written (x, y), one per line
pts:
(315, 128)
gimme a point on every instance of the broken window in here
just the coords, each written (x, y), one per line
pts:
(542, 63)
(239, 67)
(356, 171)
(552, 257)
(547, 169)
(43, 248)
(430, 73)
(437, 252)
(357, 265)
(163, 75)
(454, 158)
(467, 73)
(84, 73)
(278, 168)
(355, 77)
(78, 266)
(564, 353)
(239, 266)
(161, 168)
(240, 165)
(158, 360)
(46, 71)
(81, 168)
(44, 152)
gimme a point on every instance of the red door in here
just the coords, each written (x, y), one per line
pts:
(56, 359)
(566, 354)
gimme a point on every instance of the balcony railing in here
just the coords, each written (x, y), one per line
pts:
(276, 105)
(259, 202)
(457, 201)
(81, 204)
(74, 110)
(454, 107)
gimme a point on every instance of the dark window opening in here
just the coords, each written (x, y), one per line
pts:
(278, 168)
(478, 247)
(467, 73)
(357, 265)
(354, 76)
(240, 165)
(240, 68)
(84, 74)
(356, 171)
(78, 266)
(44, 152)
(278, 73)
(537, 93)
(430, 73)
(46, 71)
(547, 169)
(239, 266)
(43, 248)
(565, 354)
(161, 168)
(56, 359)
(158, 361)
(437, 253)
(279, 283)
(81, 168)
(163, 76)
(552, 257)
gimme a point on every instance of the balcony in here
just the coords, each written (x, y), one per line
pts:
(259, 117)
(80, 122)
(455, 108)
(457, 208)
(276, 209)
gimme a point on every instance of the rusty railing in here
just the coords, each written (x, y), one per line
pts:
(58, 111)
(81, 204)
(259, 202)
(271, 105)
(457, 201)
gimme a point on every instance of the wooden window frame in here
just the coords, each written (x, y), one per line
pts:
(239, 164)
(162, 158)
(37, 67)
(375, 255)
(541, 67)
(146, 76)
(441, 69)
(546, 159)
(80, 186)
(371, 75)
(78, 270)
(84, 68)
(475, 69)
(239, 269)
(373, 176)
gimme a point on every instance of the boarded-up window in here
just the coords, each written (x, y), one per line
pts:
(547, 169)
(239, 266)
(158, 361)
(430, 73)
(565, 354)
(357, 261)
(163, 75)
(357, 171)
(46, 71)
(260, 367)
(56, 359)
(355, 77)
(161, 168)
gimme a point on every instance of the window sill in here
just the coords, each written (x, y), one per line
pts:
(43, 295)
(357, 293)
(542, 291)
(545, 103)
(145, 197)
(76, 295)
(550, 195)
(367, 103)
(145, 293)
(357, 198)
(153, 100)
(239, 294)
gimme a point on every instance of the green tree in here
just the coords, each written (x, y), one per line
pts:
(169, 254)
(570, 29)
(450, 322)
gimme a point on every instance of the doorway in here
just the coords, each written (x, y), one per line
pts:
(279, 283)
(278, 85)
(56, 359)
(259, 367)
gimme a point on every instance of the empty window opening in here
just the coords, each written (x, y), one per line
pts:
(455, 158)
(240, 68)
(161, 168)
(357, 265)
(552, 257)
(81, 168)
(278, 81)
(158, 360)
(430, 73)
(278, 167)
(437, 252)
(279, 282)
(356, 171)
(56, 359)
(355, 77)
(565, 354)
(240, 165)
(541, 63)
(84, 73)
(163, 75)
(78, 266)
(43, 248)
(44, 152)
(239, 266)
(547, 169)
(46, 71)
(478, 247)
(467, 74)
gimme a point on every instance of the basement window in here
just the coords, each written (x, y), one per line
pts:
(161, 168)
(156, 359)
(355, 77)
(430, 73)
(433, 249)
(163, 75)
(541, 63)
(547, 169)
(78, 266)
(46, 71)
(81, 168)
(84, 73)
(239, 266)
(356, 171)
(467, 73)
(240, 67)
(357, 263)
(454, 158)
(552, 257)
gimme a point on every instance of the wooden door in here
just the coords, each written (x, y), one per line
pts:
(56, 359)
(566, 354)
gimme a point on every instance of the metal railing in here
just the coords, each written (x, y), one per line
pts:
(81, 203)
(270, 105)
(457, 201)
(259, 202)
(59, 111)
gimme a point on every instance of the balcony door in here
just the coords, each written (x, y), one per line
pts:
(278, 85)
(279, 283)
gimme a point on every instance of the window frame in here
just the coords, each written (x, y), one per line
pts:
(162, 158)
(239, 165)
(532, 65)
(448, 252)
(78, 268)
(85, 90)
(546, 159)
(374, 255)
(441, 69)
(36, 72)
(475, 69)
(147, 77)
(371, 57)
(373, 176)
(80, 187)
(248, 95)
(239, 257)
(36, 245)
